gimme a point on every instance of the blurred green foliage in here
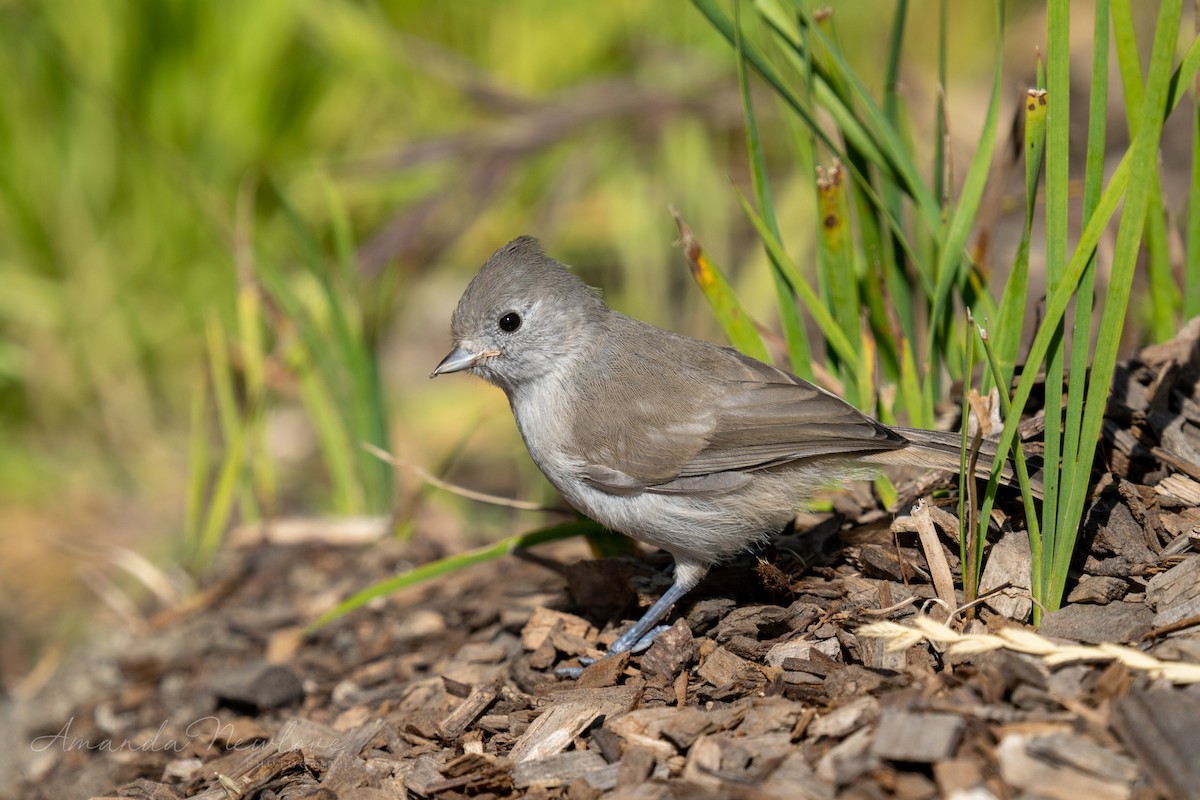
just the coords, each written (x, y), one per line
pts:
(128, 130)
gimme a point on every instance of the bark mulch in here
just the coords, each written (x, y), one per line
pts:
(765, 687)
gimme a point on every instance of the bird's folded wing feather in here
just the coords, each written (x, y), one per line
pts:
(687, 440)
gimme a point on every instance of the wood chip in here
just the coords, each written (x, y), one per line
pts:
(723, 668)
(423, 773)
(847, 760)
(1082, 754)
(1098, 589)
(1177, 617)
(880, 561)
(925, 738)
(845, 720)
(660, 729)
(635, 766)
(143, 789)
(1161, 729)
(346, 772)
(1180, 488)
(960, 777)
(801, 650)
(1117, 531)
(673, 649)
(259, 686)
(1176, 586)
(704, 764)
(555, 730)
(562, 768)
(1047, 767)
(469, 710)
(795, 778)
(604, 672)
(1115, 622)
(1007, 569)
(316, 741)
(542, 622)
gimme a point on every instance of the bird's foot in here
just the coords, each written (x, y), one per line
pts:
(638, 644)
(621, 645)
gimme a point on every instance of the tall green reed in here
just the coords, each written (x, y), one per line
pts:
(894, 288)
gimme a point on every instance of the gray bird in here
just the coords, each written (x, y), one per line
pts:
(678, 443)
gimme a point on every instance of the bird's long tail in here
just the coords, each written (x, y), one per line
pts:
(942, 450)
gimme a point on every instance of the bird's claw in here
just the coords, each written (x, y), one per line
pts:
(618, 647)
(643, 644)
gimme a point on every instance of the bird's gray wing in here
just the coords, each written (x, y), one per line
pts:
(771, 417)
(706, 427)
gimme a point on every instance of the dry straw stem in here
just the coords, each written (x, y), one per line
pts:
(1020, 640)
(939, 568)
(461, 491)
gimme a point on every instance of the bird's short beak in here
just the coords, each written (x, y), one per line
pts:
(459, 359)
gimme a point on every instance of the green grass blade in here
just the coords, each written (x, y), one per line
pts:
(799, 351)
(824, 64)
(1124, 36)
(835, 258)
(1036, 541)
(224, 495)
(334, 439)
(968, 536)
(1057, 303)
(1144, 155)
(221, 375)
(822, 93)
(1010, 321)
(886, 138)
(864, 396)
(1073, 462)
(249, 301)
(197, 474)
(876, 250)
(1165, 299)
(816, 309)
(1191, 268)
(313, 362)
(941, 186)
(910, 388)
(227, 487)
(371, 424)
(891, 100)
(860, 150)
(845, 120)
(339, 350)
(890, 323)
(455, 563)
(847, 123)
(720, 295)
(1058, 146)
(1164, 294)
(886, 327)
(229, 414)
(952, 262)
(250, 330)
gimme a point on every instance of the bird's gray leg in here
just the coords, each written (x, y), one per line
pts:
(644, 627)
(688, 573)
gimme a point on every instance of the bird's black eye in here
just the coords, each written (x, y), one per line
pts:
(510, 322)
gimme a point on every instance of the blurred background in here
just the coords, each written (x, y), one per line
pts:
(232, 234)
